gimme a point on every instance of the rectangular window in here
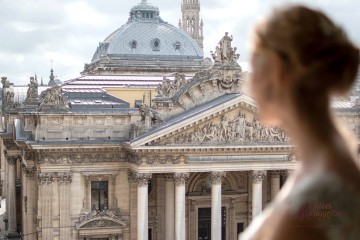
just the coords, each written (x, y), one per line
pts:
(138, 103)
(99, 195)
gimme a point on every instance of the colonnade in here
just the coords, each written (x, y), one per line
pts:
(175, 227)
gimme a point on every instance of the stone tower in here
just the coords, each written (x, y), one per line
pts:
(191, 22)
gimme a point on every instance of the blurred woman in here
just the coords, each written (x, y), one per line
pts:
(300, 60)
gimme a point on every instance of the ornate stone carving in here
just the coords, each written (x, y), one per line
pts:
(142, 179)
(9, 102)
(149, 116)
(45, 178)
(167, 88)
(99, 219)
(181, 178)
(257, 176)
(236, 130)
(274, 173)
(32, 92)
(217, 177)
(225, 53)
(53, 99)
(12, 159)
(66, 158)
(169, 177)
(31, 173)
(64, 178)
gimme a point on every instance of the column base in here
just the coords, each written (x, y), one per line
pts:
(15, 236)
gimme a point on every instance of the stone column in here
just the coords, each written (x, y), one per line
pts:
(11, 204)
(29, 204)
(64, 180)
(45, 204)
(142, 180)
(216, 180)
(180, 182)
(257, 177)
(169, 207)
(275, 183)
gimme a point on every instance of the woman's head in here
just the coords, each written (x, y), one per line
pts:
(303, 53)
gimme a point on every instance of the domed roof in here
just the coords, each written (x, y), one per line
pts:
(146, 35)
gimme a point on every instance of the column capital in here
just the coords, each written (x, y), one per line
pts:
(274, 173)
(257, 176)
(64, 177)
(11, 159)
(46, 178)
(30, 173)
(181, 178)
(142, 179)
(217, 177)
(169, 177)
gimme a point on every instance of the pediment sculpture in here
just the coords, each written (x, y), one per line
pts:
(168, 88)
(227, 129)
(99, 219)
(53, 99)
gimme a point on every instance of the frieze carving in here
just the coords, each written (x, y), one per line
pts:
(217, 177)
(65, 158)
(100, 219)
(142, 179)
(46, 178)
(150, 160)
(64, 178)
(181, 178)
(257, 176)
(53, 99)
(236, 130)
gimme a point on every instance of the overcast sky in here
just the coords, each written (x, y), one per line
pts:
(34, 32)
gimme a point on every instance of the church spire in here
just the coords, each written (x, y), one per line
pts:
(52, 77)
(191, 23)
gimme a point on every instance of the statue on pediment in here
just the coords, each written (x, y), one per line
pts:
(168, 88)
(225, 53)
(149, 116)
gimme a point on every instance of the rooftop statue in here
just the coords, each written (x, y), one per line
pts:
(225, 53)
(32, 92)
(52, 99)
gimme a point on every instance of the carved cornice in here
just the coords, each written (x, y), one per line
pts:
(217, 177)
(257, 176)
(64, 178)
(46, 178)
(142, 179)
(181, 178)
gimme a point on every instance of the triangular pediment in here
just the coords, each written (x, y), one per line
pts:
(100, 219)
(229, 119)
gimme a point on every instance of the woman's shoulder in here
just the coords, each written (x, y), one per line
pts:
(326, 201)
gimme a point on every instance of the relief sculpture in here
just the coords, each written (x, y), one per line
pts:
(236, 130)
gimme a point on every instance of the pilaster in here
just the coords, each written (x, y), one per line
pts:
(45, 204)
(64, 181)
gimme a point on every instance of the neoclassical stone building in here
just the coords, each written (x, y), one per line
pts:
(79, 163)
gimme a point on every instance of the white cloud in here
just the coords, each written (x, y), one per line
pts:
(68, 31)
